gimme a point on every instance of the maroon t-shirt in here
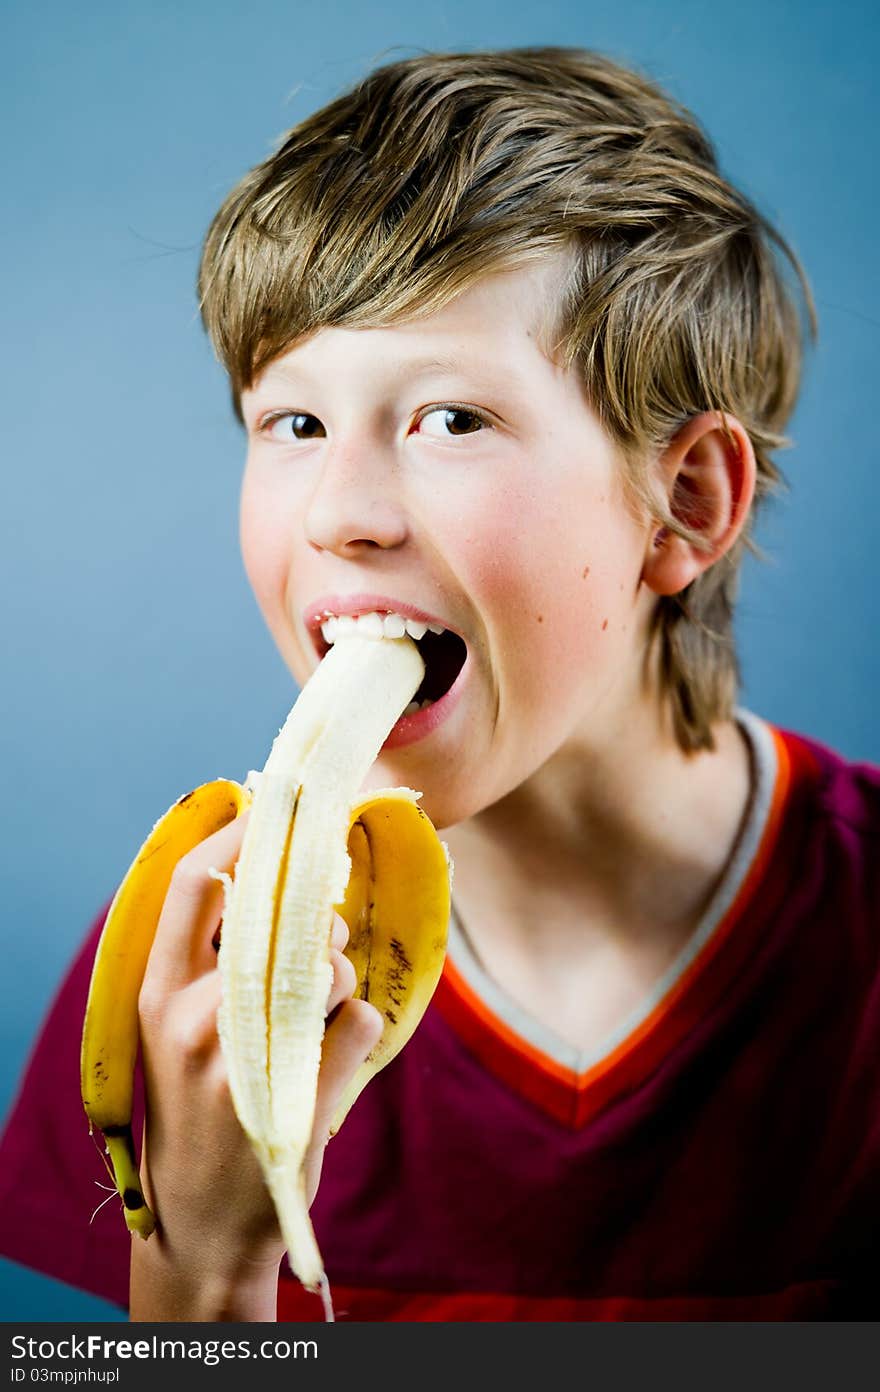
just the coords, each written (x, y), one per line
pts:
(717, 1159)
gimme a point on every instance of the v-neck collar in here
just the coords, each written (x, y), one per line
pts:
(571, 1084)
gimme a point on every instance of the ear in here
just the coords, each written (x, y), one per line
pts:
(708, 475)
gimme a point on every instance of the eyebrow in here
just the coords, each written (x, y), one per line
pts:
(447, 364)
(489, 373)
(420, 367)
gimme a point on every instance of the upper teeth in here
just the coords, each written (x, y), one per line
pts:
(375, 625)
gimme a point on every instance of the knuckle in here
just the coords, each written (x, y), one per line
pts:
(192, 1038)
(151, 1005)
(189, 879)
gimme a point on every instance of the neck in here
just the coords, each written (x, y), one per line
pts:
(626, 839)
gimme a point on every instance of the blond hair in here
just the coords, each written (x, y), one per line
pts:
(437, 170)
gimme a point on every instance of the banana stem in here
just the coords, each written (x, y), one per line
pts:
(120, 1147)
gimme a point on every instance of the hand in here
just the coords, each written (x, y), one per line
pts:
(217, 1246)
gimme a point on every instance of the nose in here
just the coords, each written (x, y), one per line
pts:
(355, 504)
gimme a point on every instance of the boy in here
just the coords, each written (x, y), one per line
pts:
(512, 359)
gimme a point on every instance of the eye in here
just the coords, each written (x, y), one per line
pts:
(293, 425)
(443, 422)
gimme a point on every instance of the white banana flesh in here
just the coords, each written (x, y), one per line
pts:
(293, 869)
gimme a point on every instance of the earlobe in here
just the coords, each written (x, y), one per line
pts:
(707, 473)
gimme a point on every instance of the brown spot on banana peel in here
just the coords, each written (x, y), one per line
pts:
(366, 941)
(399, 952)
(361, 937)
(399, 969)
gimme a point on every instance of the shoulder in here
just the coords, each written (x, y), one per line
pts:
(839, 791)
(827, 850)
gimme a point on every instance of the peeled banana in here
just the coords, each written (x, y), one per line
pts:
(311, 846)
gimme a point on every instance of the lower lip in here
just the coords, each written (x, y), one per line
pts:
(410, 728)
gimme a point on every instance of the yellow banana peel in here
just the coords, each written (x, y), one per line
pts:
(110, 1029)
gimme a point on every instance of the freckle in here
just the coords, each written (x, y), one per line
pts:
(585, 572)
(604, 625)
(540, 618)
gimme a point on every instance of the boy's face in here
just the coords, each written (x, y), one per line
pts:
(447, 465)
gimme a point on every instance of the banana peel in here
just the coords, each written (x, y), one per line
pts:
(110, 1030)
(399, 874)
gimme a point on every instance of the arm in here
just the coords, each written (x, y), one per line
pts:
(217, 1248)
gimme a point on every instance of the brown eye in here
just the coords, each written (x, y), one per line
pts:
(462, 422)
(445, 421)
(297, 425)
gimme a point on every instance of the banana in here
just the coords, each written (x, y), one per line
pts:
(110, 1029)
(311, 846)
(293, 870)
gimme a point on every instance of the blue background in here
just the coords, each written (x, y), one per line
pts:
(136, 664)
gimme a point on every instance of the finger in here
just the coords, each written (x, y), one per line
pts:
(192, 912)
(352, 1033)
(344, 980)
(187, 1036)
(339, 933)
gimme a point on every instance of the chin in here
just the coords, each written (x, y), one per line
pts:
(447, 801)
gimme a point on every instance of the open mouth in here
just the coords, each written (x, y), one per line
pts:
(443, 652)
(444, 656)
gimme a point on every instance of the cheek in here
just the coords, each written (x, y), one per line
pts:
(561, 578)
(264, 537)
